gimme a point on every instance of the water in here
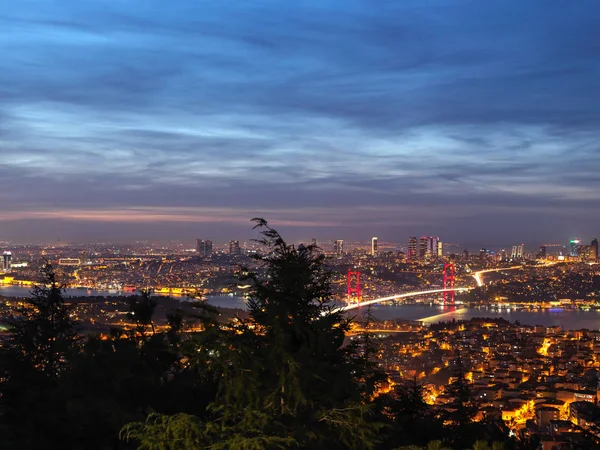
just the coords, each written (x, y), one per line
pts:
(21, 291)
(224, 301)
(569, 319)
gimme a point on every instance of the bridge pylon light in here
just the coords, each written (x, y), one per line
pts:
(449, 270)
(353, 285)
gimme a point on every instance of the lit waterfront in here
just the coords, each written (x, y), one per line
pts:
(569, 319)
(24, 291)
(224, 301)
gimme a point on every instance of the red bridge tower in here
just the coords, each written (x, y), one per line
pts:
(449, 283)
(353, 285)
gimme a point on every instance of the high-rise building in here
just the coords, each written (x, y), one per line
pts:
(594, 246)
(429, 247)
(374, 246)
(517, 251)
(503, 255)
(234, 248)
(423, 246)
(542, 252)
(440, 249)
(432, 247)
(584, 252)
(573, 244)
(204, 248)
(7, 261)
(338, 247)
(412, 248)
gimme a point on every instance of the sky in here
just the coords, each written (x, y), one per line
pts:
(476, 121)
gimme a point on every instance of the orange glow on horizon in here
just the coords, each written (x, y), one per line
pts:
(160, 214)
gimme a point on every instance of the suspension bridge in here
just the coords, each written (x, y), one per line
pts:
(351, 306)
(448, 291)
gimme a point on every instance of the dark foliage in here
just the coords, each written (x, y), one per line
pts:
(34, 355)
(413, 422)
(284, 378)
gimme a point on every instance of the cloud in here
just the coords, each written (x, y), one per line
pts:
(395, 117)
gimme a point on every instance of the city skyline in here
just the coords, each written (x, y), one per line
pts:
(471, 121)
(424, 246)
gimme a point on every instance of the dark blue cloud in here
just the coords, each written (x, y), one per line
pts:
(472, 120)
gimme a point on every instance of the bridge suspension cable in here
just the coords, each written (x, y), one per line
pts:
(399, 296)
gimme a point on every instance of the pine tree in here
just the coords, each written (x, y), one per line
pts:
(285, 377)
(37, 349)
(141, 311)
(309, 379)
(414, 422)
(41, 332)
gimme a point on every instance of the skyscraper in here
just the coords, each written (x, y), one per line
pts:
(338, 247)
(374, 246)
(432, 247)
(423, 245)
(542, 252)
(234, 248)
(517, 251)
(584, 252)
(7, 261)
(594, 252)
(573, 244)
(440, 249)
(204, 248)
(412, 248)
